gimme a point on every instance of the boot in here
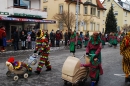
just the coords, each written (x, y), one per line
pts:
(37, 72)
(48, 69)
(92, 84)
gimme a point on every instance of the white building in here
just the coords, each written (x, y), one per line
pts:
(21, 14)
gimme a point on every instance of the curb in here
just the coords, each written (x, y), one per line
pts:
(52, 49)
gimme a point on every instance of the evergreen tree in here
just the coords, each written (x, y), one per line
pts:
(110, 24)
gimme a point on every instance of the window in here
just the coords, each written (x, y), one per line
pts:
(97, 28)
(125, 22)
(45, 26)
(45, 9)
(125, 13)
(16, 2)
(61, 9)
(108, 0)
(77, 9)
(44, 0)
(112, 5)
(116, 13)
(93, 11)
(104, 6)
(98, 13)
(91, 26)
(85, 10)
(103, 13)
(85, 26)
(94, 26)
(103, 22)
(60, 25)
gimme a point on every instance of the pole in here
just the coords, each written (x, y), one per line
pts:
(69, 15)
(77, 11)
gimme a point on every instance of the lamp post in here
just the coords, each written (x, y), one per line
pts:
(77, 12)
(68, 13)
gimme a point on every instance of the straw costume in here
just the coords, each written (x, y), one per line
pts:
(125, 52)
(42, 46)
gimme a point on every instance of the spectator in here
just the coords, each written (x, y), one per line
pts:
(2, 38)
(66, 37)
(52, 38)
(58, 38)
(23, 40)
(29, 41)
(16, 40)
(33, 38)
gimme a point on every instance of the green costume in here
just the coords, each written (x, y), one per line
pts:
(72, 43)
(86, 39)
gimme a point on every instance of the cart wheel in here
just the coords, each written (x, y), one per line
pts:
(8, 73)
(26, 75)
(16, 78)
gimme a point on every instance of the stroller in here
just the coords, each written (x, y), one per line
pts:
(72, 72)
(32, 60)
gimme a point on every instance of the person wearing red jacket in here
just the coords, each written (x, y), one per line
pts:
(58, 38)
(2, 38)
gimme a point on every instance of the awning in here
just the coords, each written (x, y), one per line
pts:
(26, 20)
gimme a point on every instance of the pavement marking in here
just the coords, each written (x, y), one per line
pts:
(121, 75)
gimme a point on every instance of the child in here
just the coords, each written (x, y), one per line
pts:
(18, 65)
(29, 41)
(95, 69)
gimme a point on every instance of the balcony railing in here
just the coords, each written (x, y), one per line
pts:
(27, 12)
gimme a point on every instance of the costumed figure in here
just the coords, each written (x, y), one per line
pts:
(114, 40)
(95, 69)
(103, 39)
(72, 43)
(86, 38)
(110, 39)
(18, 65)
(94, 46)
(79, 41)
(42, 46)
(125, 52)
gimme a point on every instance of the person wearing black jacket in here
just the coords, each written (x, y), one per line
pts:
(16, 40)
(33, 38)
(23, 38)
(52, 38)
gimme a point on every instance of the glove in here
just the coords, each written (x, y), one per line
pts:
(39, 53)
(35, 51)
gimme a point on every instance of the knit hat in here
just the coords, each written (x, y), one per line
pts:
(11, 59)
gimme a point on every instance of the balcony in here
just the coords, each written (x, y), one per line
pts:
(29, 13)
(75, 1)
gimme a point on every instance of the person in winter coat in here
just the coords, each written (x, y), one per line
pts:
(16, 40)
(66, 38)
(79, 41)
(52, 38)
(33, 39)
(95, 69)
(23, 38)
(2, 38)
(43, 49)
(58, 38)
(86, 39)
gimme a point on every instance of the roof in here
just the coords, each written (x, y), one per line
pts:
(100, 5)
(119, 4)
(89, 3)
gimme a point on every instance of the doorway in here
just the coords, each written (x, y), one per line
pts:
(13, 28)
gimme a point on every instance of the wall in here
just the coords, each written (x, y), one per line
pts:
(35, 4)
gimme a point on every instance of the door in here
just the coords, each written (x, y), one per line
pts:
(13, 28)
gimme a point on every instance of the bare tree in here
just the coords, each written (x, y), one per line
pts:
(126, 28)
(63, 18)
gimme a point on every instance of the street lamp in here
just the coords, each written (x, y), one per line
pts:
(68, 12)
(77, 11)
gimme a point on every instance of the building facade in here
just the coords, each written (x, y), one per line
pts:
(90, 16)
(21, 14)
(121, 12)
